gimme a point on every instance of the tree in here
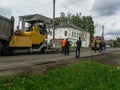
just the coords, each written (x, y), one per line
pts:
(76, 20)
(90, 26)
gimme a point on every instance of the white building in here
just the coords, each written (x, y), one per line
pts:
(71, 32)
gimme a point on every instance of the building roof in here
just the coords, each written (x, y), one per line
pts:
(68, 25)
(34, 17)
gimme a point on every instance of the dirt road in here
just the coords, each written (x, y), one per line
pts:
(10, 65)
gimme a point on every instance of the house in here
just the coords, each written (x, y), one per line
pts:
(71, 32)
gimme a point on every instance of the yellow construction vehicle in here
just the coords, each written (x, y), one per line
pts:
(96, 42)
(31, 37)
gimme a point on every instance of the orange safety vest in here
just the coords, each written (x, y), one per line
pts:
(63, 43)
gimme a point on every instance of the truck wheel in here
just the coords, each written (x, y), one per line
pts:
(11, 52)
(0, 48)
(43, 50)
(92, 48)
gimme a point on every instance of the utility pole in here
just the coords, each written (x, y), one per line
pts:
(53, 19)
(103, 32)
(54, 23)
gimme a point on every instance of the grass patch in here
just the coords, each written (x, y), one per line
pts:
(86, 75)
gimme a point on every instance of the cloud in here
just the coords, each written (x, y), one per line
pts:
(111, 27)
(106, 7)
(70, 2)
(74, 6)
(5, 11)
(113, 33)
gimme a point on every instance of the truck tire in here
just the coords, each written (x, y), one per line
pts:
(43, 50)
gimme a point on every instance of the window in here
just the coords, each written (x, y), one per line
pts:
(50, 33)
(81, 35)
(65, 33)
(72, 34)
(77, 35)
(85, 36)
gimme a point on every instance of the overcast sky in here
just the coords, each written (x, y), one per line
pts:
(104, 12)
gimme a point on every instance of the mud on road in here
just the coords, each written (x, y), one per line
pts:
(109, 59)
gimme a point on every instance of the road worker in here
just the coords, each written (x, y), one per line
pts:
(78, 47)
(67, 47)
(63, 45)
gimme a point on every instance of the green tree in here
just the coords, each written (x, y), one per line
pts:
(90, 26)
(76, 20)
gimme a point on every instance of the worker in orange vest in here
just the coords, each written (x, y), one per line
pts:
(63, 46)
